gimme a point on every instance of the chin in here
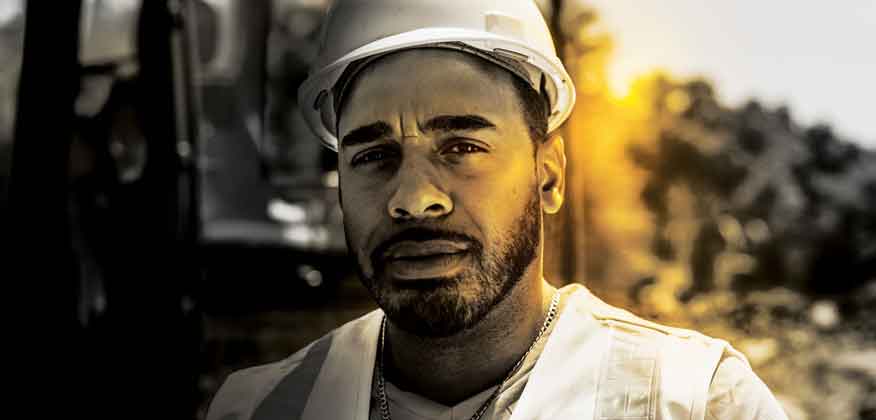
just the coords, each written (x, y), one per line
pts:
(439, 307)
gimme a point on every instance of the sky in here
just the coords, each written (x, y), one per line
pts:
(817, 57)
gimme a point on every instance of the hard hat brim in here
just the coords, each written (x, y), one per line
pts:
(314, 96)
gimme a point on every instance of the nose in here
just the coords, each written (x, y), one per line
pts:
(417, 197)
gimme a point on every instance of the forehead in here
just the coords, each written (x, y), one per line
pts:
(429, 82)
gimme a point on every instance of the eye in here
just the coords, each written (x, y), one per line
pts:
(463, 148)
(375, 155)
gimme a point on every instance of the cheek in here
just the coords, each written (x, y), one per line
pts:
(495, 201)
(362, 214)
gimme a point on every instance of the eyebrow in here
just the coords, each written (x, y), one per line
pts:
(458, 123)
(375, 131)
(367, 134)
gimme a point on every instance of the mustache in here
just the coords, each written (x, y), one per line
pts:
(422, 234)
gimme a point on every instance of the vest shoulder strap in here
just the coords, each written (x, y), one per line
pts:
(284, 389)
(651, 371)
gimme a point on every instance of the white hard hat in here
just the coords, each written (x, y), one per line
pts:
(510, 33)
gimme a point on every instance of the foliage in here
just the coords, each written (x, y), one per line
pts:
(736, 221)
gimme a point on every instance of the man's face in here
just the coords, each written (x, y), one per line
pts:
(438, 187)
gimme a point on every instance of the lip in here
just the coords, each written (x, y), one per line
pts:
(430, 259)
(431, 266)
(425, 249)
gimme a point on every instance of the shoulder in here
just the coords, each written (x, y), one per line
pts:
(710, 378)
(244, 390)
(686, 353)
(736, 392)
(626, 324)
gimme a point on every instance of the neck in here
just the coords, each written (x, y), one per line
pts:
(450, 369)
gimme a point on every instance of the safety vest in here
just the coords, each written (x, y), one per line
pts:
(599, 363)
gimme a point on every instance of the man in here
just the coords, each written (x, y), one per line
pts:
(440, 111)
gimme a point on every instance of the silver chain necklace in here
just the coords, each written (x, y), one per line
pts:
(383, 400)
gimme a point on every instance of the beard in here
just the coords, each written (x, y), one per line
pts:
(445, 306)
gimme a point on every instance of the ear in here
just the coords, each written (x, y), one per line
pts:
(552, 173)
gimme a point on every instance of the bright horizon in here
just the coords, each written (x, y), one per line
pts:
(813, 56)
